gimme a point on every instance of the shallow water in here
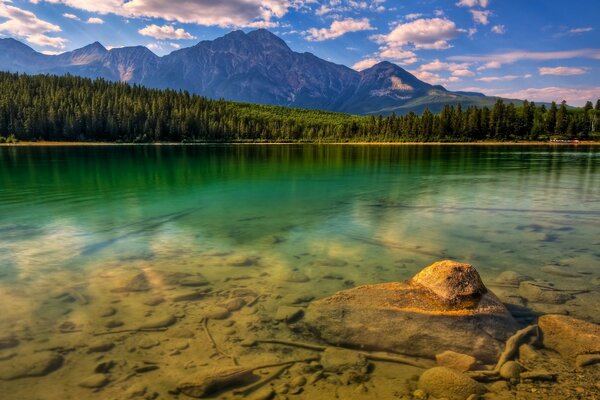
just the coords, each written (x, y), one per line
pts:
(77, 223)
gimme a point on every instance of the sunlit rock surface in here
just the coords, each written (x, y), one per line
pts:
(444, 307)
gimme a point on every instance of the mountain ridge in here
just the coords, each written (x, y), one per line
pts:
(256, 67)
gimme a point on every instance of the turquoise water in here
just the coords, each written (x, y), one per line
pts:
(85, 219)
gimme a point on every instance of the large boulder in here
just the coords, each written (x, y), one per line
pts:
(444, 307)
(569, 336)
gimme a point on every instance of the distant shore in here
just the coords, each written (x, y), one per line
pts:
(479, 143)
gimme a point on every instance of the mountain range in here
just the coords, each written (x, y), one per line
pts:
(256, 67)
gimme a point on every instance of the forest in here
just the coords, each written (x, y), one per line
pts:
(69, 108)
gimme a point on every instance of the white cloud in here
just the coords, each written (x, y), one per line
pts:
(564, 71)
(490, 65)
(433, 78)
(473, 3)
(514, 56)
(95, 20)
(165, 32)
(434, 33)
(51, 52)
(463, 72)
(71, 16)
(499, 29)
(503, 78)
(580, 30)
(26, 25)
(323, 10)
(396, 54)
(365, 64)
(437, 65)
(230, 13)
(410, 17)
(338, 28)
(573, 96)
(481, 16)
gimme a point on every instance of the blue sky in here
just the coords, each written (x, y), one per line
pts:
(540, 49)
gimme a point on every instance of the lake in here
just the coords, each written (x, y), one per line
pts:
(98, 239)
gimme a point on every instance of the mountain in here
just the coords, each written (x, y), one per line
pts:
(255, 67)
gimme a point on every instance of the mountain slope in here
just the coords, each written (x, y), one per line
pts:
(255, 67)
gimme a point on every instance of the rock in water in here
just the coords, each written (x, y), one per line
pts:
(444, 307)
(442, 382)
(569, 336)
(36, 364)
(454, 360)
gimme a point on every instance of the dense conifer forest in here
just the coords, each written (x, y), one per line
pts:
(68, 108)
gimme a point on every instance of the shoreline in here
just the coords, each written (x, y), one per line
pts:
(481, 143)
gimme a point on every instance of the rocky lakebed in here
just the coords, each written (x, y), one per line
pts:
(149, 333)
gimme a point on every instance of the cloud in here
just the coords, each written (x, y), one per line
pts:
(26, 25)
(397, 54)
(230, 13)
(574, 96)
(165, 32)
(473, 3)
(434, 33)
(576, 31)
(499, 29)
(365, 64)
(71, 16)
(564, 71)
(338, 28)
(463, 73)
(437, 65)
(481, 16)
(410, 17)
(503, 78)
(490, 65)
(95, 20)
(433, 78)
(514, 56)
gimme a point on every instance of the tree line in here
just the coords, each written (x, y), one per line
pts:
(70, 108)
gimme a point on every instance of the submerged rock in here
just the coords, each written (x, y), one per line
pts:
(94, 381)
(454, 360)
(569, 336)
(512, 278)
(139, 283)
(36, 364)
(444, 307)
(7, 342)
(536, 293)
(340, 360)
(442, 382)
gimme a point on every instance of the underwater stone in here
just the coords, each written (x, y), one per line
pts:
(159, 322)
(139, 283)
(569, 336)
(560, 271)
(339, 360)
(446, 307)
(7, 342)
(537, 293)
(510, 370)
(288, 314)
(297, 277)
(442, 382)
(454, 360)
(216, 312)
(25, 366)
(512, 278)
(94, 381)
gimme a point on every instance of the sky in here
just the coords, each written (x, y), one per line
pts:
(541, 50)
